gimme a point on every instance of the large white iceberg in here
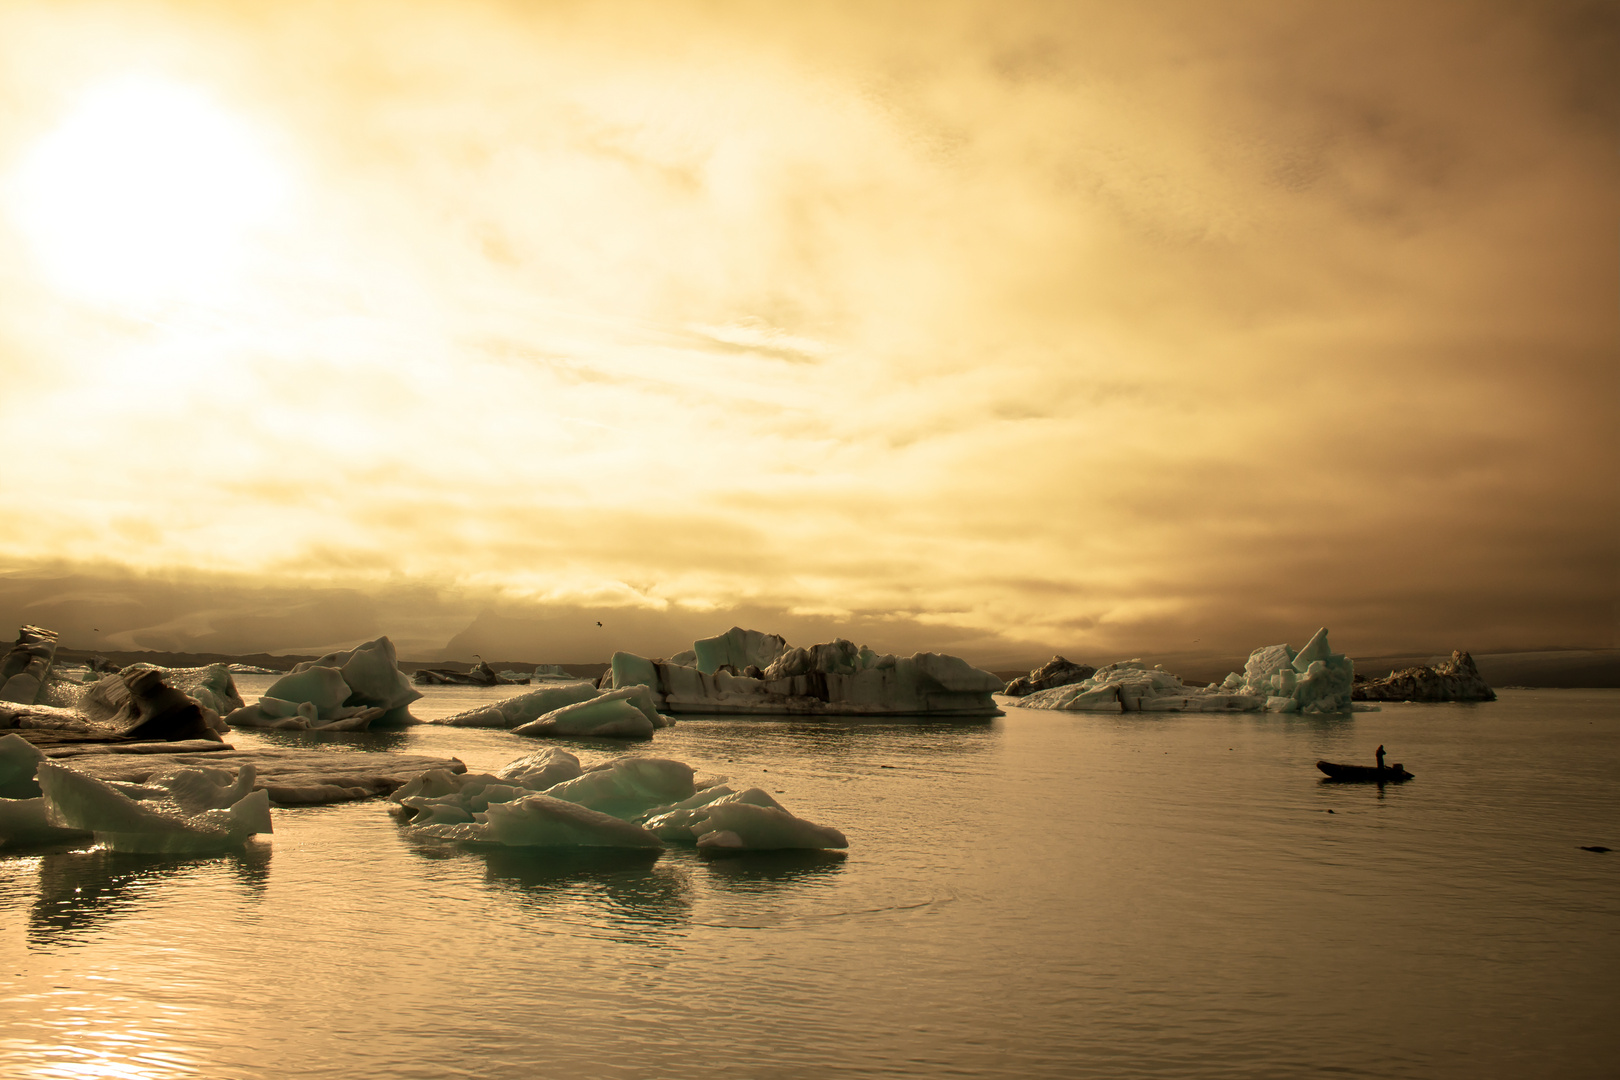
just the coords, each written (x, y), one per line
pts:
(350, 690)
(725, 674)
(1275, 678)
(184, 811)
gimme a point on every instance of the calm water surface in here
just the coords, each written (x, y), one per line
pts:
(1039, 895)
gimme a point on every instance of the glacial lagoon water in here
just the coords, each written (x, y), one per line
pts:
(1038, 895)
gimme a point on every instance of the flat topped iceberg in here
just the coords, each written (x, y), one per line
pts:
(745, 671)
(1276, 678)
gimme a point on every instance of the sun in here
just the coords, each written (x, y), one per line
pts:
(147, 192)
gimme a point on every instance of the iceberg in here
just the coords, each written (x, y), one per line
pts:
(184, 811)
(744, 826)
(541, 770)
(23, 823)
(210, 686)
(350, 690)
(152, 702)
(27, 665)
(626, 802)
(521, 708)
(18, 760)
(627, 786)
(542, 821)
(508, 809)
(626, 713)
(1275, 678)
(724, 674)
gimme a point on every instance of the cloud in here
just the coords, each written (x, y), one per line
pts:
(1076, 325)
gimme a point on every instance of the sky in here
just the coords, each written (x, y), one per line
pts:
(1002, 329)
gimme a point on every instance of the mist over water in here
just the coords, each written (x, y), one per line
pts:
(1036, 895)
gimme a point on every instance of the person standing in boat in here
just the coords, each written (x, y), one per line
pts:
(1379, 754)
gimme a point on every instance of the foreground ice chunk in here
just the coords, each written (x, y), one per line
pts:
(543, 821)
(677, 821)
(211, 685)
(18, 760)
(629, 785)
(542, 769)
(540, 821)
(188, 820)
(628, 802)
(745, 826)
(23, 823)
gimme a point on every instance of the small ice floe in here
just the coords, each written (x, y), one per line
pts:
(183, 811)
(749, 820)
(625, 713)
(508, 809)
(351, 690)
(626, 802)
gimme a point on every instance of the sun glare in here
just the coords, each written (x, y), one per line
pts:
(148, 191)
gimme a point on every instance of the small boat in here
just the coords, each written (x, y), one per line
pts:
(1364, 774)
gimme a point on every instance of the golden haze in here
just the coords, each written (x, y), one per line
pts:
(1002, 328)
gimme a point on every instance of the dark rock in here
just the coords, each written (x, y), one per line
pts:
(1055, 672)
(1456, 679)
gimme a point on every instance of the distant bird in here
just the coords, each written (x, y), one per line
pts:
(598, 624)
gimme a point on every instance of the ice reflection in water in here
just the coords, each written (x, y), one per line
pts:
(79, 891)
